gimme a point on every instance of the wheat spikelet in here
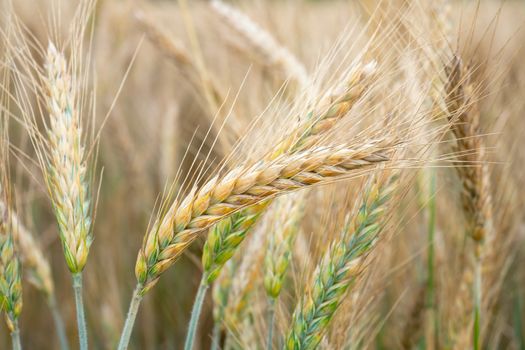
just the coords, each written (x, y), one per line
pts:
(66, 174)
(338, 270)
(225, 237)
(240, 188)
(287, 214)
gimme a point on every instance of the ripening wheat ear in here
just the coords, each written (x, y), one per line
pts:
(65, 171)
(224, 239)
(275, 54)
(474, 175)
(66, 174)
(285, 222)
(339, 269)
(316, 125)
(242, 187)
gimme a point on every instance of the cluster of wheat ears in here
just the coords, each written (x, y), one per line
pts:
(356, 189)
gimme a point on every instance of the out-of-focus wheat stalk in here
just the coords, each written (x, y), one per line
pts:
(286, 215)
(473, 173)
(263, 42)
(40, 272)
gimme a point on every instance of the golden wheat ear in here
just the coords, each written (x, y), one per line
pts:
(473, 172)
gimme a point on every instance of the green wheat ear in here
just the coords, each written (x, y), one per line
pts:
(10, 276)
(338, 270)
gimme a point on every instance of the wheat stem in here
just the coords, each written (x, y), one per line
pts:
(15, 333)
(271, 320)
(216, 336)
(59, 323)
(130, 319)
(195, 313)
(81, 318)
(431, 259)
(477, 304)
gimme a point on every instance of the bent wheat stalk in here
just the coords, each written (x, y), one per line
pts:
(244, 186)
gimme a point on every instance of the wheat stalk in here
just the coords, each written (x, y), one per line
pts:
(66, 173)
(473, 173)
(339, 269)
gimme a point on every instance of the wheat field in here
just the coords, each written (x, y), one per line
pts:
(295, 174)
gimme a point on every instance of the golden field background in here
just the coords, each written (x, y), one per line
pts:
(165, 115)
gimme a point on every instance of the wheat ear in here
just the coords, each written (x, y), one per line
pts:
(66, 174)
(10, 278)
(287, 213)
(40, 272)
(315, 125)
(242, 187)
(338, 270)
(473, 173)
(263, 42)
(230, 233)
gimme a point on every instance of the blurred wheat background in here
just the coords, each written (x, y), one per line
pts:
(157, 134)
